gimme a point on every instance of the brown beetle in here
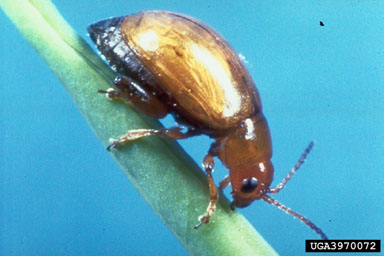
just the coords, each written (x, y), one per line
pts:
(171, 63)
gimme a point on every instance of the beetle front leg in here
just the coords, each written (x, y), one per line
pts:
(224, 182)
(208, 165)
(174, 133)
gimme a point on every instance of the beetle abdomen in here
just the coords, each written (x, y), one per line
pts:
(108, 38)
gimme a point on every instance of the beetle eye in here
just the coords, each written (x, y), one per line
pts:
(249, 185)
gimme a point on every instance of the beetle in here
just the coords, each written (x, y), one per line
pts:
(169, 63)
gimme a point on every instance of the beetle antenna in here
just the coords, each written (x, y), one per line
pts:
(282, 207)
(281, 185)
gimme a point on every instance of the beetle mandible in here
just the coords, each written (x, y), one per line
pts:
(168, 63)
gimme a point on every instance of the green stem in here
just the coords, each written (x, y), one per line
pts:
(166, 177)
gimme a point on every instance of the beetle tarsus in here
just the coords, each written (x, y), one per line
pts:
(101, 91)
(110, 93)
(204, 219)
(113, 144)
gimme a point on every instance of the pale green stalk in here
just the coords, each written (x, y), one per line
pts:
(166, 177)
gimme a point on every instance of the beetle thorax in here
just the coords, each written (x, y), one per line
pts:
(246, 152)
(249, 144)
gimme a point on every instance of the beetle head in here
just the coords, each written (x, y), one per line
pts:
(250, 183)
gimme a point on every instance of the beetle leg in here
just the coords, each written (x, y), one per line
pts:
(172, 133)
(208, 165)
(139, 97)
(224, 182)
(110, 93)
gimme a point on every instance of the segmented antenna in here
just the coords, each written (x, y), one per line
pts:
(281, 185)
(282, 207)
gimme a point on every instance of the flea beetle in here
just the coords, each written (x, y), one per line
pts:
(168, 63)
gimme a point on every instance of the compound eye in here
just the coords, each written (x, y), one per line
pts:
(249, 185)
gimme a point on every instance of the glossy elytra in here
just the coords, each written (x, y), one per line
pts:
(168, 63)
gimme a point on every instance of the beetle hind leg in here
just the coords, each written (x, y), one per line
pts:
(110, 93)
(171, 133)
(137, 95)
